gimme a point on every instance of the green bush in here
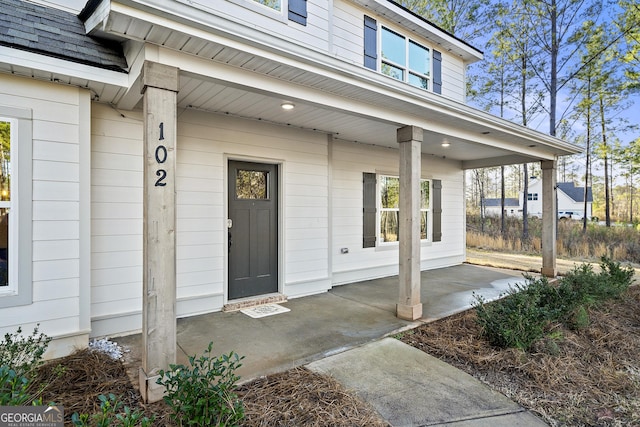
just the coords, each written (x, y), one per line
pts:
(19, 356)
(525, 313)
(111, 414)
(519, 319)
(23, 353)
(203, 393)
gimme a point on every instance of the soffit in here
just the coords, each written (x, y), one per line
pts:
(477, 138)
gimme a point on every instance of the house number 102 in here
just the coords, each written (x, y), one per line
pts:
(161, 157)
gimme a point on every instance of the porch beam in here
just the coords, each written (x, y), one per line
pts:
(159, 88)
(409, 306)
(549, 218)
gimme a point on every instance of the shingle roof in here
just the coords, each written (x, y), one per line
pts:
(576, 193)
(53, 32)
(508, 201)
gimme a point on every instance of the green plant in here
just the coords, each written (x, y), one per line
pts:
(23, 353)
(525, 313)
(109, 415)
(203, 393)
(518, 319)
(14, 389)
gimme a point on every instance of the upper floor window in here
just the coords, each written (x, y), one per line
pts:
(295, 10)
(404, 59)
(401, 58)
(273, 4)
(532, 196)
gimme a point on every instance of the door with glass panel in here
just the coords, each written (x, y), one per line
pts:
(252, 229)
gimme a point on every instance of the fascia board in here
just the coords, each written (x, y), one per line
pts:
(62, 67)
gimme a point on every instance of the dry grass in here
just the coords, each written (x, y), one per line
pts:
(589, 377)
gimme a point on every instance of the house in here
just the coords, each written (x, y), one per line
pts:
(570, 199)
(570, 202)
(512, 207)
(169, 158)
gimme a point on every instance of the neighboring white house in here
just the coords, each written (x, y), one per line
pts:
(570, 202)
(170, 157)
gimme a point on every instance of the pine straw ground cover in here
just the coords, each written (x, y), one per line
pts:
(586, 377)
(297, 397)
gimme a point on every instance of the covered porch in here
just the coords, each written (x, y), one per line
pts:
(320, 325)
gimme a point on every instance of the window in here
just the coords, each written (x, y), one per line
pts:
(532, 196)
(297, 9)
(402, 58)
(15, 206)
(405, 59)
(389, 209)
(273, 4)
(389, 188)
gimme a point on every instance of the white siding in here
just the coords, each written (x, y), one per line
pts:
(250, 12)
(349, 161)
(205, 143)
(58, 284)
(453, 75)
(116, 217)
(348, 32)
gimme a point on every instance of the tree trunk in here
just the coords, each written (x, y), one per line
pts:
(605, 148)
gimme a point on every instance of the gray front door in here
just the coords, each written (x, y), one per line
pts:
(253, 231)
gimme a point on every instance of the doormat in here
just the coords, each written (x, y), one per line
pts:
(264, 310)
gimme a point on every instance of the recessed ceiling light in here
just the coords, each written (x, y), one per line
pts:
(288, 106)
(445, 143)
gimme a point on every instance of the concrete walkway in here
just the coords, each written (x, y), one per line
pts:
(341, 332)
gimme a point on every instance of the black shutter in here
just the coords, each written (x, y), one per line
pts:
(437, 72)
(368, 210)
(370, 43)
(298, 11)
(436, 226)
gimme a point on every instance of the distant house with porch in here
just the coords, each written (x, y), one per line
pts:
(171, 158)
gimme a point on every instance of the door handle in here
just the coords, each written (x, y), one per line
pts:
(230, 241)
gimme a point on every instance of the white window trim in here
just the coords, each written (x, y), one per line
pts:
(20, 289)
(279, 15)
(406, 68)
(379, 211)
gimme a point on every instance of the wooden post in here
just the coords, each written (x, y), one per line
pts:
(409, 306)
(549, 218)
(160, 87)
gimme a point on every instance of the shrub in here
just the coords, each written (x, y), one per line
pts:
(19, 356)
(519, 319)
(203, 393)
(22, 353)
(524, 314)
(110, 415)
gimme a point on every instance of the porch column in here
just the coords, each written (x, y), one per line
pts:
(410, 140)
(160, 87)
(549, 218)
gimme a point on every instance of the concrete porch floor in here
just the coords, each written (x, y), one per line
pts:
(322, 325)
